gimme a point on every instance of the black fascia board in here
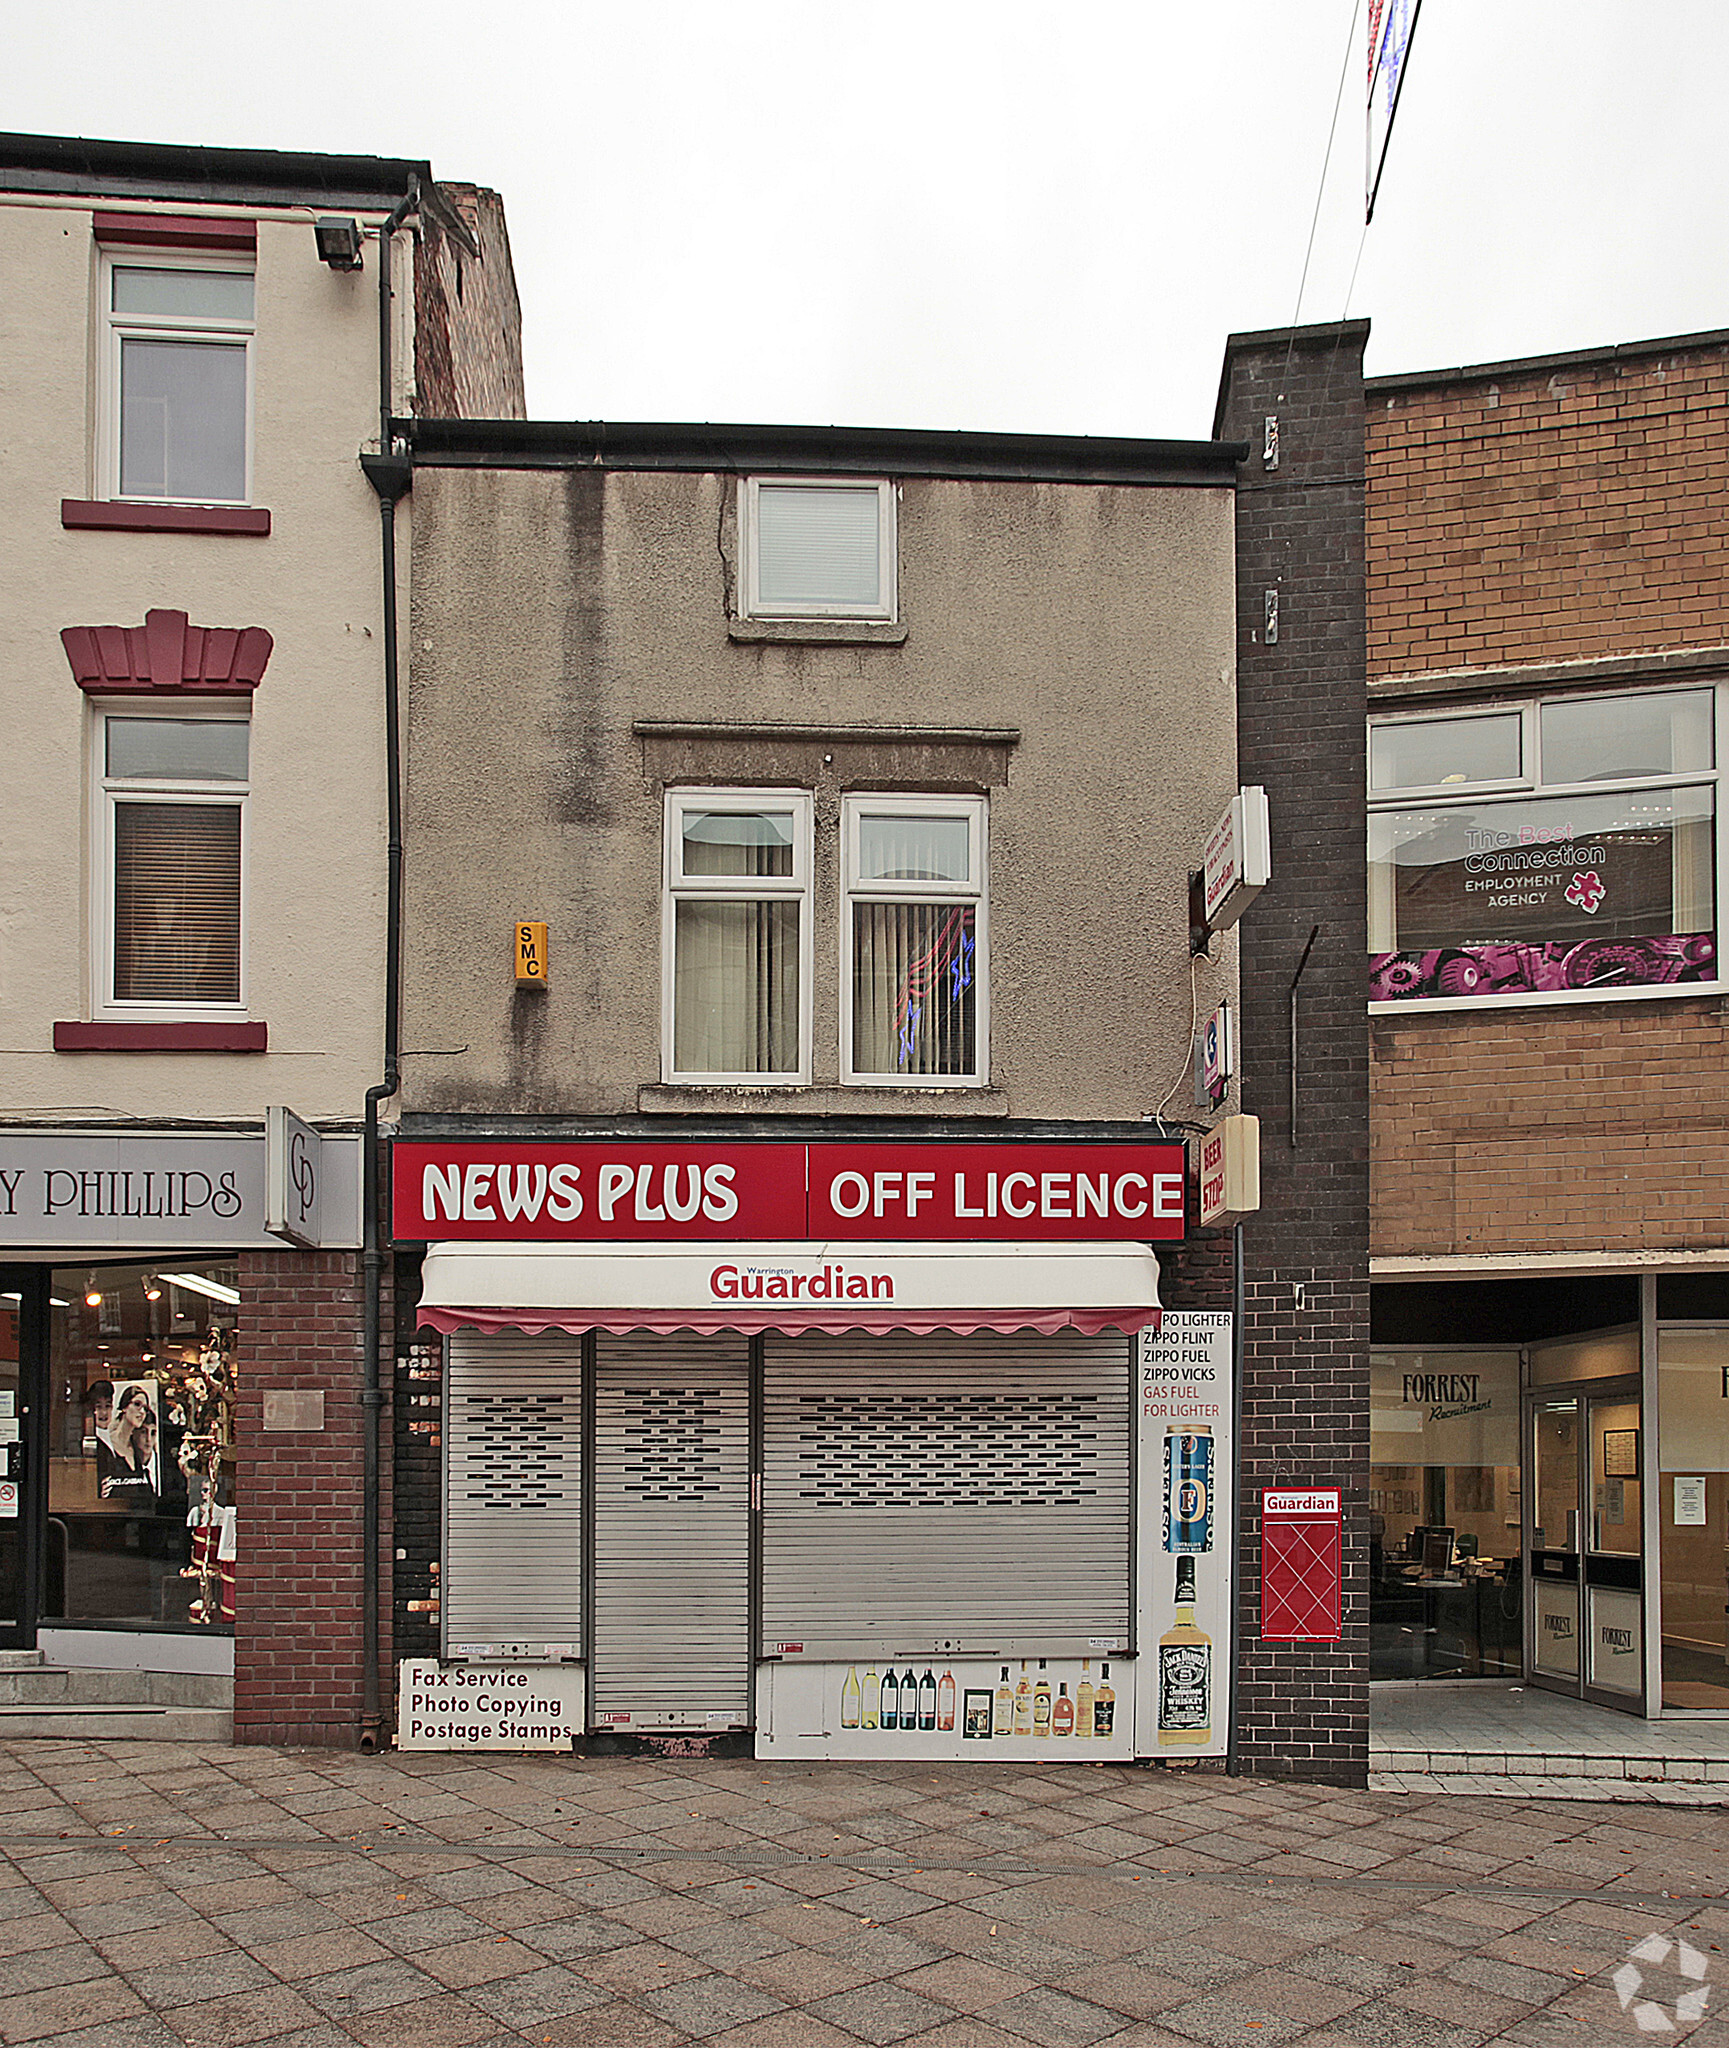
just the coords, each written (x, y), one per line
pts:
(80, 167)
(827, 451)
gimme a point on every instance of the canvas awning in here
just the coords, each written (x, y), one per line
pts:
(790, 1287)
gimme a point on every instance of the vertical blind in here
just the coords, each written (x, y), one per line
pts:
(177, 902)
(914, 989)
(736, 969)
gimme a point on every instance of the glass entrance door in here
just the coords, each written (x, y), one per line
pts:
(1584, 1553)
(23, 1401)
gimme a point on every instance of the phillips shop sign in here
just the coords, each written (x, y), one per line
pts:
(599, 1189)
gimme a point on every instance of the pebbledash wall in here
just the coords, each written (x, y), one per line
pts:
(1296, 399)
(1541, 528)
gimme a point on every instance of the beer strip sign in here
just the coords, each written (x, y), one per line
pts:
(595, 1190)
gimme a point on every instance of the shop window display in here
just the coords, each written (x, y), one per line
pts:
(1551, 849)
(1693, 1515)
(141, 1500)
(1444, 1512)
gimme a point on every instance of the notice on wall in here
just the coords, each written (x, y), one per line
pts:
(1690, 1501)
(499, 1707)
(1185, 1564)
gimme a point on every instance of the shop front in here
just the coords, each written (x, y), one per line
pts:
(917, 1470)
(122, 1352)
(1549, 1497)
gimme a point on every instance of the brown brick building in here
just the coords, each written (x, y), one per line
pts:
(1548, 642)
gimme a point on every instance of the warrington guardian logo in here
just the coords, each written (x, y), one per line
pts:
(1659, 1963)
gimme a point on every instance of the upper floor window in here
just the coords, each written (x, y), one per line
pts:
(737, 935)
(1560, 847)
(913, 930)
(176, 387)
(169, 860)
(817, 549)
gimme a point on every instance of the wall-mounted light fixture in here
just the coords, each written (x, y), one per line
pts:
(92, 1293)
(152, 1287)
(339, 241)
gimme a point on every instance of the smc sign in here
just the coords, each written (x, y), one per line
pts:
(600, 1189)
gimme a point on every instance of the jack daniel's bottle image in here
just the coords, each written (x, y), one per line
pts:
(1185, 1670)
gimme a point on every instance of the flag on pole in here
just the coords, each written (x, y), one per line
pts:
(1392, 23)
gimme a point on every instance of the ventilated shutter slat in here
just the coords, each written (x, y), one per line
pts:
(513, 1491)
(969, 1493)
(672, 1531)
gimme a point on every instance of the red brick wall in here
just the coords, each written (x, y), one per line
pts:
(1571, 512)
(297, 1661)
(1602, 1127)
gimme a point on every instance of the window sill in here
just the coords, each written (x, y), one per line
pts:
(1546, 999)
(231, 1035)
(128, 515)
(673, 1098)
(817, 632)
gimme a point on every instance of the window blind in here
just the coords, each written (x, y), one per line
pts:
(177, 902)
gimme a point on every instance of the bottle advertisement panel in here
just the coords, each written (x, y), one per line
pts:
(1182, 1676)
(1015, 1709)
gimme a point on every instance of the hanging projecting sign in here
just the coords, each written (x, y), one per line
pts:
(1237, 862)
(293, 1170)
(599, 1189)
(1228, 1171)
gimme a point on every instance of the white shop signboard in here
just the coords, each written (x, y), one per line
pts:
(161, 1191)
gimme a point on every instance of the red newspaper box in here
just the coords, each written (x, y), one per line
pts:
(1302, 1564)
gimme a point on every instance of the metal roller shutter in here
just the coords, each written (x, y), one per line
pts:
(968, 1495)
(672, 1531)
(513, 1494)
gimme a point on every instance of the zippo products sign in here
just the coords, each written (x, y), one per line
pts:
(1182, 1675)
(599, 1190)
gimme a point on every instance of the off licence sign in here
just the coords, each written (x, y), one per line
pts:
(599, 1190)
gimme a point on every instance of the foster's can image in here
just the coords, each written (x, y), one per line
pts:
(1188, 1490)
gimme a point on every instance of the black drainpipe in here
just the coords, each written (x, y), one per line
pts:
(391, 475)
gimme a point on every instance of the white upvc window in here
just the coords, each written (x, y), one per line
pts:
(168, 865)
(817, 548)
(914, 989)
(1545, 850)
(175, 412)
(736, 937)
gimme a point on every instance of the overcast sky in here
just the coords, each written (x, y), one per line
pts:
(959, 215)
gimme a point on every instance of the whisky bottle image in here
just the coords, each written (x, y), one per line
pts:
(1104, 1705)
(891, 1699)
(1042, 1703)
(928, 1702)
(873, 1689)
(1084, 1700)
(946, 1703)
(849, 1699)
(1024, 1703)
(1062, 1712)
(1185, 1669)
(910, 1701)
(1003, 1721)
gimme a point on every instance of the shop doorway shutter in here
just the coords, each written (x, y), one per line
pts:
(963, 1494)
(512, 1571)
(671, 1640)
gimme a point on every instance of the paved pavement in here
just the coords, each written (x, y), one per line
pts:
(158, 1894)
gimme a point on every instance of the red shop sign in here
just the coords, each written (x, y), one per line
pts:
(1301, 1564)
(595, 1190)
